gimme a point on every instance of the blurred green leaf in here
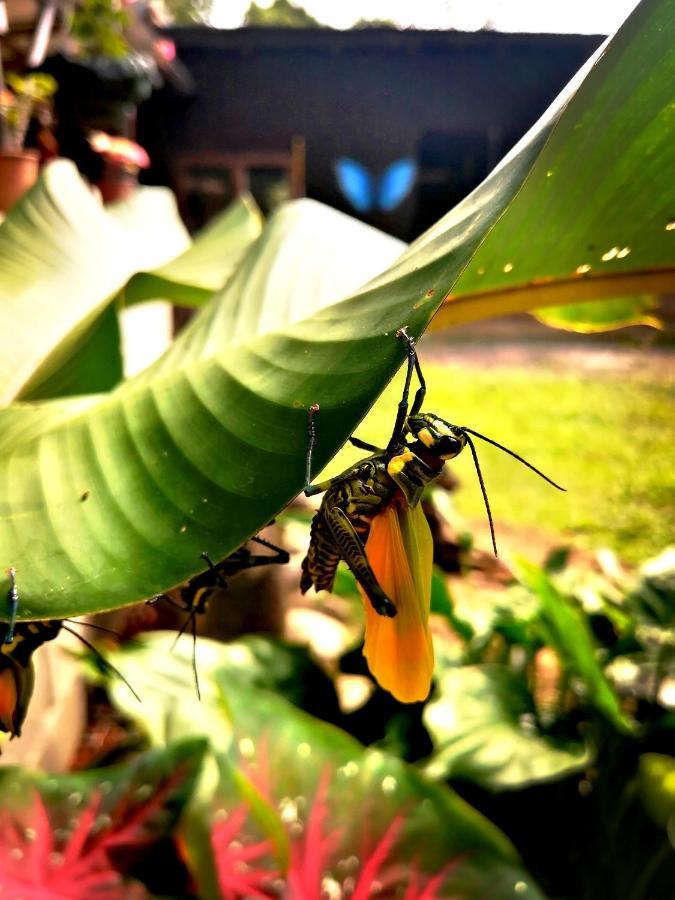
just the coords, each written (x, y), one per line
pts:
(442, 605)
(61, 261)
(63, 257)
(163, 675)
(567, 631)
(483, 730)
(192, 277)
(557, 560)
(657, 787)
(602, 315)
(149, 217)
(92, 363)
(653, 598)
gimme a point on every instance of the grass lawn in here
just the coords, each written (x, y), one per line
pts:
(607, 437)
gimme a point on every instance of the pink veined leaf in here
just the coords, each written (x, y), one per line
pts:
(235, 860)
(310, 856)
(376, 860)
(430, 891)
(34, 867)
(313, 853)
(31, 868)
(27, 837)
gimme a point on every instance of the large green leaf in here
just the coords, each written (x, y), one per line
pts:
(602, 315)
(594, 216)
(192, 277)
(167, 461)
(204, 447)
(92, 362)
(282, 763)
(479, 723)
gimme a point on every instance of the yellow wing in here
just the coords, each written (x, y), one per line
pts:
(399, 651)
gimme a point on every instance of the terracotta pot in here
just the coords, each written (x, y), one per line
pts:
(18, 172)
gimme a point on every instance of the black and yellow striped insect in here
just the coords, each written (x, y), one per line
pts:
(17, 674)
(16, 670)
(370, 517)
(193, 596)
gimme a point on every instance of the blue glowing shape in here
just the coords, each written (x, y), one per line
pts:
(367, 193)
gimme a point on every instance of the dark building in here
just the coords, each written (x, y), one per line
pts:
(452, 102)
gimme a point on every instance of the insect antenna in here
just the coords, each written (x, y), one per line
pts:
(101, 658)
(97, 627)
(483, 490)
(311, 431)
(191, 621)
(13, 597)
(194, 657)
(468, 431)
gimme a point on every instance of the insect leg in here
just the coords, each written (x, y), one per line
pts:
(422, 389)
(353, 552)
(281, 555)
(218, 578)
(402, 412)
(312, 489)
(364, 445)
(13, 597)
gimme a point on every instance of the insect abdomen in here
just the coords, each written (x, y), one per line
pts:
(318, 567)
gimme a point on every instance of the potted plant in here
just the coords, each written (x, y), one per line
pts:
(122, 160)
(20, 101)
(100, 49)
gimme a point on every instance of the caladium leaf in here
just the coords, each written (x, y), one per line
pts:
(75, 836)
(289, 787)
